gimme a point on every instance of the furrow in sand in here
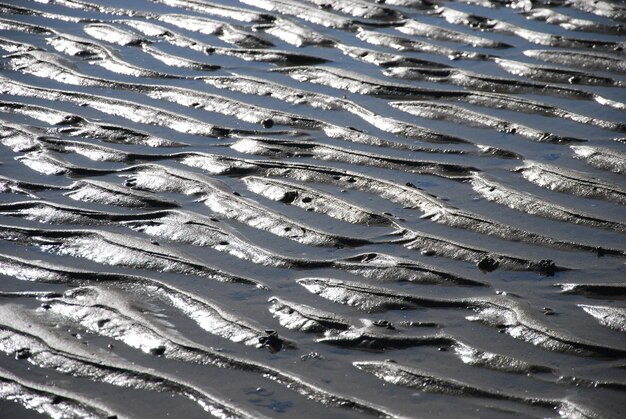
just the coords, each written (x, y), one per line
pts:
(86, 190)
(312, 199)
(10, 9)
(311, 14)
(24, 138)
(357, 83)
(82, 47)
(460, 115)
(198, 230)
(10, 45)
(46, 65)
(229, 204)
(160, 179)
(572, 23)
(118, 250)
(218, 197)
(223, 202)
(571, 182)
(294, 149)
(536, 37)
(579, 59)
(612, 317)
(382, 335)
(555, 75)
(89, 7)
(409, 44)
(305, 318)
(417, 28)
(196, 308)
(125, 109)
(31, 340)
(177, 61)
(111, 194)
(30, 189)
(101, 55)
(486, 83)
(602, 8)
(412, 377)
(260, 87)
(295, 33)
(595, 290)
(359, 8)
(216, 9)
(207, 314)
(109, 312)
(226, 32)
(247, 54)
(515, 318)
(386, 59)
(50, 400)
(531, 204)
(433, 207)
(77, 126)
(49, 164)
(602, 158)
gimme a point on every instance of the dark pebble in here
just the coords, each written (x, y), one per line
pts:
(158, 351)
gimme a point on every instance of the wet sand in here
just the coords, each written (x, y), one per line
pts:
(286, 208)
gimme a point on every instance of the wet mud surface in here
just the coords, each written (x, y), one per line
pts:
(308, 208)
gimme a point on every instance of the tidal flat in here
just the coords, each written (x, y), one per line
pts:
(312, 208)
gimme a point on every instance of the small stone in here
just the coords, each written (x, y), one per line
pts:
(157, 351)
(290, 196)
(271, 341)
(267, 123)
(102, 322)
(23, 353)
(384, 323)
(488, 264)
(547, 267)
(311, 355)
